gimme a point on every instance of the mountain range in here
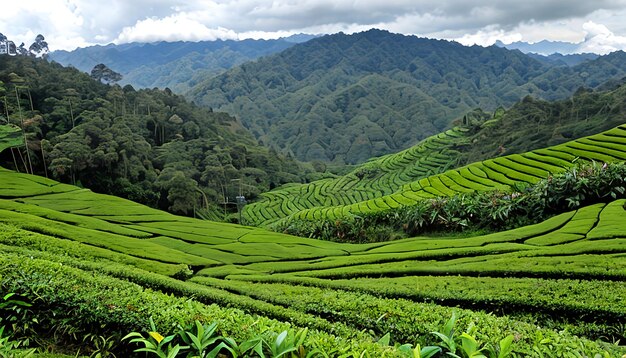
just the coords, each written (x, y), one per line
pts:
(177, 65)
(544, 47)
(346, 98)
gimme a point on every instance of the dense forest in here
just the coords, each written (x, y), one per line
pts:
(347, 98)
(150, 146)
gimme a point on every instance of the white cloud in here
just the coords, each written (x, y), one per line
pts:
(71, 23)
(488, 36)
(59, 21)
(173, 28)
(599, 39)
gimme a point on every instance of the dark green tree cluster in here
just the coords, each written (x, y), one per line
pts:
(534, 123)
(149, 145)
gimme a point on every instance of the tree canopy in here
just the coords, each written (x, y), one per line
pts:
(151, 146)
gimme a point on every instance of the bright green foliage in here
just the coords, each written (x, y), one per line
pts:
(502, 176)
(112, 264)
(144, 233)
(494, 210)
(382, 176)
(9, 348)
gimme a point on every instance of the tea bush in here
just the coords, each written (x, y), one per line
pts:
(582, 185)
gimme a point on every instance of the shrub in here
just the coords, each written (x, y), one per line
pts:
(524, 204)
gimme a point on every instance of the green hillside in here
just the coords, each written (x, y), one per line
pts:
(322, 200)
(378, 177)
(347, 98)
(151, 146)
(88, 260)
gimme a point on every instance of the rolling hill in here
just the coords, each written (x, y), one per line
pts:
(347, 98)
(87, 258)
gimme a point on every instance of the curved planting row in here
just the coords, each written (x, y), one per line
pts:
(100, 221)
(407, 287)
(499, 173)
(376, 178)
(567, 269)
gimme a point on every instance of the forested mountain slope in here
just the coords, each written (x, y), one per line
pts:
(177, 65)
(510, 137)
(148, 145)
(347, 98)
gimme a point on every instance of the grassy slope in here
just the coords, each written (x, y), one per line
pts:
(580, 254)
(309, 201)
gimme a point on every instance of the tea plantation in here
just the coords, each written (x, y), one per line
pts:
(394, 182)
(95, 264)
(376, 178)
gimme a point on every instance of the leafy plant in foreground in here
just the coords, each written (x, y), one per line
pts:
(12, 311)
(203, 341)
(465, 345)
(8, 347)
(103, 346)
(155, 343)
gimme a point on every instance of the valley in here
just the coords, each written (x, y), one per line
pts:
(349, 195)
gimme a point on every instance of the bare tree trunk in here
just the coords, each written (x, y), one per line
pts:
(23, 161)
(19, 108)
(43, 159)
(6, 108)
(206, 201)
(69, 100)
(14, 160)
(32, 108)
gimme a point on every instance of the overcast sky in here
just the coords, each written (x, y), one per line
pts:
(599, 25)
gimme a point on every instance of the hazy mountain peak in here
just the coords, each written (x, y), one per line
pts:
(299, 38)
(543, 47)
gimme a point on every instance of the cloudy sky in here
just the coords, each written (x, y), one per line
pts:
(598, 25)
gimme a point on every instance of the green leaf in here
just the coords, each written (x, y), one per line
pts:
(428, 351)
(385, 340)
(448, 329)
(506, 346)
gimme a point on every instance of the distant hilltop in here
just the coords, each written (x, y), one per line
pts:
(39, 48)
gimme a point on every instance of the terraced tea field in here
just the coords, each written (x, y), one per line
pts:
(309, 202)
(557, 286)
(376, 178)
